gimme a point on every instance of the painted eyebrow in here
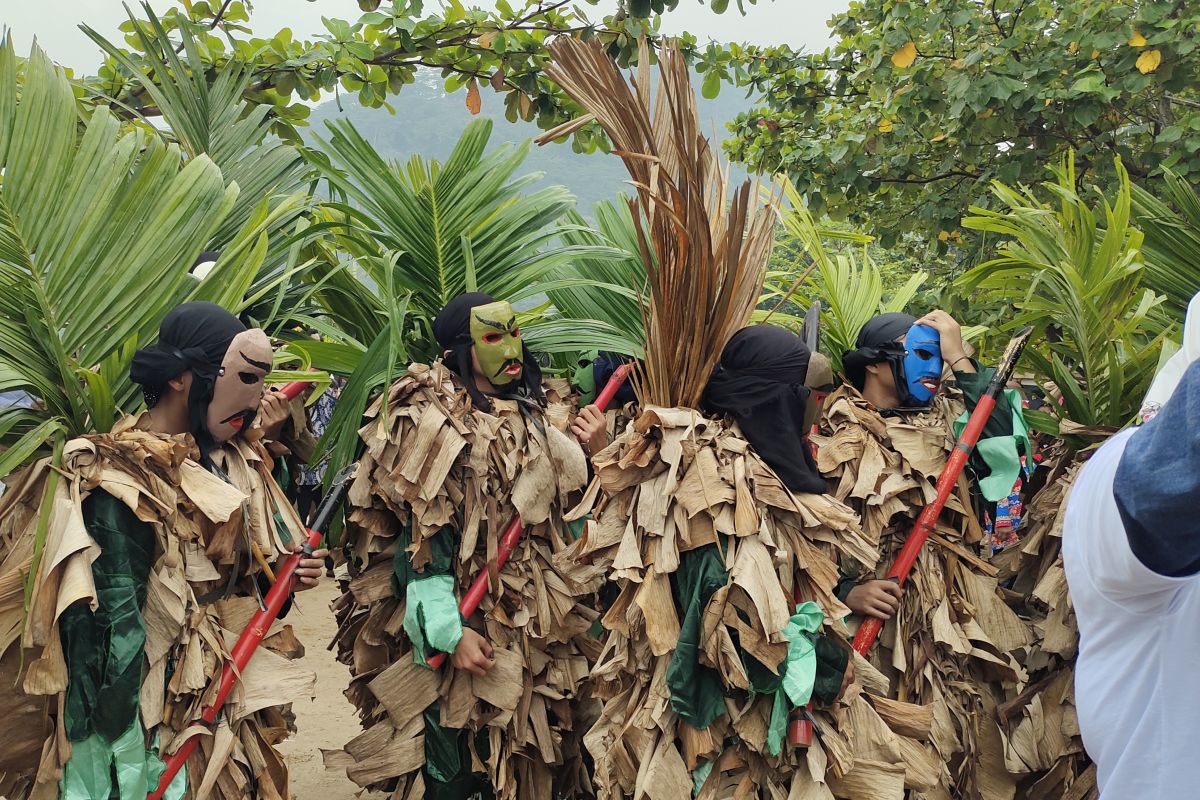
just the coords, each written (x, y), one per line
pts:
(500, 326)
(266, 367)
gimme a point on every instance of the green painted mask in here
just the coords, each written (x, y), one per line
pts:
(497, 342)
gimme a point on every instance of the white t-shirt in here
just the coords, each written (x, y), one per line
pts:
(1137, 681)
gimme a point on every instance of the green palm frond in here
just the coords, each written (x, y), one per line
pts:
(206, 114)
(440, 217)
(98, 227)
(427, 231)
(1170, 219)
(850, 288)
(1076, 274)
(609, 288)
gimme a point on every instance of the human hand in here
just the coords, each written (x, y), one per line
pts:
(473, 653)
(950, 332)
(876, 598)
(309, 570)
(591, 429)
(273, 411)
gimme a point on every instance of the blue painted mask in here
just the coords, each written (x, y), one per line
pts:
(922, 364)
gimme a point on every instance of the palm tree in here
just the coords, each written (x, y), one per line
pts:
(1076, 275)
(205, 113)
(412, 236)
(606, 291)
(99, 225)
(849, 289)
(1170, 219)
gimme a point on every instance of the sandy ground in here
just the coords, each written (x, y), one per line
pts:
(329, 721)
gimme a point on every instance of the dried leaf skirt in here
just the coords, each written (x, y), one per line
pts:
(957, 650)
(433, 461)
(203, 529)
(674, 484)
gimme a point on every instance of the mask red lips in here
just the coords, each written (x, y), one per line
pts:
(241, 420)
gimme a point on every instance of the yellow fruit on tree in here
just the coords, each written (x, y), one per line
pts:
(1148, 61)
(905, 56)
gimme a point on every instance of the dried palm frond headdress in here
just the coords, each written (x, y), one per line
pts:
(705, 250)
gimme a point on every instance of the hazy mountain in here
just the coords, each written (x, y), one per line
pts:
(428, 121)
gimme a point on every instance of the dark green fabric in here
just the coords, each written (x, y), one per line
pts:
(831, 669)
(1000, 423)
(697, 694)
(845, 583)
(762, 680)
(973, 385)
(576, 527)
(448, 773)
(104, 649)
(282, 473)
(442, 547)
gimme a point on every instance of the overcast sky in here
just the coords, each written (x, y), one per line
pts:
(800, 23)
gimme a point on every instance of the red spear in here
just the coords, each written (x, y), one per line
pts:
(294, 389)
(512, 533)
(907, 557)
(260, 623)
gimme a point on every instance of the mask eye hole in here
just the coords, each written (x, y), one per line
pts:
(516, 333)
(491, 338)
(924, 355)
(248, 378)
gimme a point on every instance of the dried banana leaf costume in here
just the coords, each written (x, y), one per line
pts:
(954, 647)
(713, 541)
(446, 468)
(143, 582)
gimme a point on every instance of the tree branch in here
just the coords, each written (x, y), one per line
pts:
(1182, 101)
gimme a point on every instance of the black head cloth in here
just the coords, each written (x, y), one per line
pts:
(452, 329)
(193, 336)
(876, 343)
(760, 383)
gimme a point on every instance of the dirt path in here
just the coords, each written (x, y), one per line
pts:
(329, 721)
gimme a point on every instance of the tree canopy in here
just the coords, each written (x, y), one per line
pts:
(902, 123)
(376, 55)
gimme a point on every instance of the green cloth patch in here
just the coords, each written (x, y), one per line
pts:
(799, 671)
(104, 649)
(1000, 452)
(448, 774)
(431, 617)
(122, 770)
(701, 775)
(697, 694)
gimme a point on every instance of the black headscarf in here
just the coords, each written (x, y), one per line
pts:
(452, 329)
(760, 383)
(194, 336)
(877, 343)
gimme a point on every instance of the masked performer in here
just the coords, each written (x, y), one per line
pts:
(953, 643)
(459, 447)
(717, 530)
(154, 537)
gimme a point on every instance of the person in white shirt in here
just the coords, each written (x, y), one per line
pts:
(1131, 549)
